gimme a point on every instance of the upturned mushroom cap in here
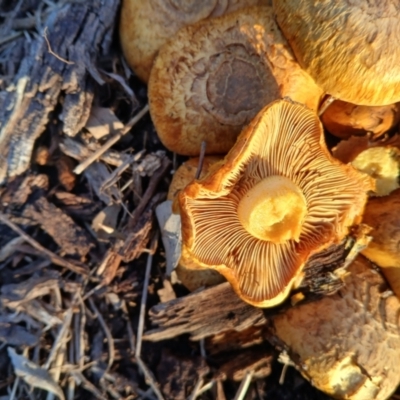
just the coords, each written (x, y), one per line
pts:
(213, 77)
(145, 25)
(382, 214)
(303, 201)
(344, 119)
(348, 344)
(350, 48)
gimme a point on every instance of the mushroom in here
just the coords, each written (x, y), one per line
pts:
(276, 198)
(213, 77)
(191, 278)
(344, 119)
(186, 173)
(382, 214)
(350, 48)
(145, 25)
(347, 344)
(379, 159)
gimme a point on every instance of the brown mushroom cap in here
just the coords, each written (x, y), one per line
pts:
(146, 25)
(213, 77)
(284, 140)
(348, 344)
(344, 119)
(350, 48)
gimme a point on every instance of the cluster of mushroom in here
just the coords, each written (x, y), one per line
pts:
(249, 85)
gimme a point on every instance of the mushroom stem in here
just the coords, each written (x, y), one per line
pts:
(274, 210)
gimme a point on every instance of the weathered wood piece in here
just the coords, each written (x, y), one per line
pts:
(71, 238)
(218, 309)
(60, 66)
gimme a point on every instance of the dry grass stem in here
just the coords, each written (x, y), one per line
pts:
(51, 51)
(110, 340)
(139, 335)
(244, 386)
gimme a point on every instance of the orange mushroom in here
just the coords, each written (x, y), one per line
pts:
(350, 48)
(146, 25)
(213, 77)
(347, 344)
(344, 119)
(276, 198)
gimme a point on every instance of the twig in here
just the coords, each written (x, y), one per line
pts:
(54, 258)
(201, 159)
(150, 251)
(196, 390)
(206, 387)
(110, 142)
(51, 51)
(10, 37)
(110, 340)
(149, 193)
(60, 337)
(139, 335)
(150, 378)
(244, 386)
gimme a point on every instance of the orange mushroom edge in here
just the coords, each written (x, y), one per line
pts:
(277, 198)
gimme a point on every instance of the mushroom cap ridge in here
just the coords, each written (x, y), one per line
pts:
(350, 47)
(284, 139)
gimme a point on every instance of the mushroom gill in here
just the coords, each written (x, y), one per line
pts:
(311, 201)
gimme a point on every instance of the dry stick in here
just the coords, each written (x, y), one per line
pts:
(206, 387)
(149, 378)
(244, 386)
(149, 193)
(110, 339)
(52, 52)
(201, 159)
(110, 142)
(54, 258)
(139, 335)
(60, 337)
(197, 387)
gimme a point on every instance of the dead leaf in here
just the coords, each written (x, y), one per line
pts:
(33, 375)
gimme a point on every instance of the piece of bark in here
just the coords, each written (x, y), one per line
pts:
(256, 360)
(178, 376)
(71, 238)
(205, 313)
(60, 64)
(218, 309)
(139, 236)
(78, 207)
